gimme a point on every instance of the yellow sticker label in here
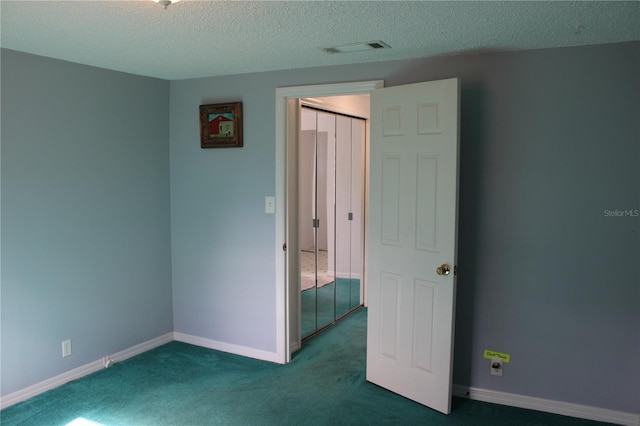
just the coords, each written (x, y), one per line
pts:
(499, 355)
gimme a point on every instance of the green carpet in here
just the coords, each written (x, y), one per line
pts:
(180, 384)
(347, 297)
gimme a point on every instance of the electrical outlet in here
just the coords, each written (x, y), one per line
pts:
(66, 348)
(496, 367)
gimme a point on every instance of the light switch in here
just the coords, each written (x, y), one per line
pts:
(270, 205)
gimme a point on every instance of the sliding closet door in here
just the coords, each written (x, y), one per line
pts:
(317, 217)
(331, 179)
(349, 209)
(325, 202)
(307, 234)
(358, 134)
(343, 210)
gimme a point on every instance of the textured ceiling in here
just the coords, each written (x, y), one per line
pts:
(208, 38)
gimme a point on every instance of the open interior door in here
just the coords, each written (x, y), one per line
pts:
(413, 225)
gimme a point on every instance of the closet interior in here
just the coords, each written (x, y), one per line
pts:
(331, 205)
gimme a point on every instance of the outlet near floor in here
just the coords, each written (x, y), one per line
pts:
(66, 348)
(496, 367)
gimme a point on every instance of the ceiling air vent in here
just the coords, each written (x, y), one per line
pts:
(377, 45)
(356, 47)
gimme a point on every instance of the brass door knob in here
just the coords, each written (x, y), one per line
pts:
(443, 270)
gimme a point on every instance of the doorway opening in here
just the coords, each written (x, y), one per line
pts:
(412, 190)
(288, 121)
(331, 157)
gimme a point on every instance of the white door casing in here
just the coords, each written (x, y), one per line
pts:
(290, 248)
(412, 228)
(287, 297)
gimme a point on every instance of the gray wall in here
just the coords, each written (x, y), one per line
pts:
(86, 251)
(550, 139)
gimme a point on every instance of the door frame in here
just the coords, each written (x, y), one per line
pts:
(284, 293)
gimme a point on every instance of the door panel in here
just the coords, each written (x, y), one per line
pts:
(390, 203)
(413, 219)
(424, 307)
(426, 202)
(357, 209)
(390, 310)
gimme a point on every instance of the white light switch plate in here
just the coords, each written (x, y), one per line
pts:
(66, 348)
(270, 205)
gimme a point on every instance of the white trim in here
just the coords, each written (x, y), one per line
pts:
(142, 347)
(547, 405)
(226, 347)
(54, 382)
(83, 370)
(329, 104)
(283, 348)
(321, 90)
(282, 328)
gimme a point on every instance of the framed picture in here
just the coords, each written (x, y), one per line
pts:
(221, 125)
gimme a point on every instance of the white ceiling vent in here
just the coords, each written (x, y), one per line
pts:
(356, 47)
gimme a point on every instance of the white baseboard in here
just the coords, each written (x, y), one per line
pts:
(59, 380)
(547, 405)
(84, 370)
(227, 347)
(142, 347)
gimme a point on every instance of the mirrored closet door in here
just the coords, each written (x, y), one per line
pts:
(331, 181)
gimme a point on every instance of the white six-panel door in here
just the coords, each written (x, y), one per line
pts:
(413, 221)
